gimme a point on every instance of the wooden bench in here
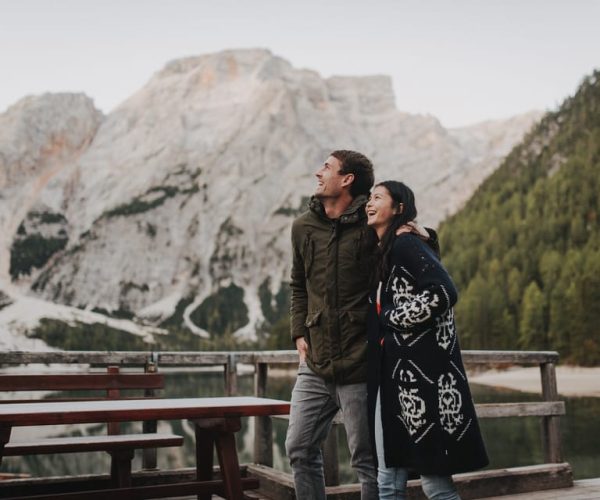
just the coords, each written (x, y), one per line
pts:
(121, 447)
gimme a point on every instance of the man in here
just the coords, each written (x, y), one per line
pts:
(330, 284)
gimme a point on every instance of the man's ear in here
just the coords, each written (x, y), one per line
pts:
(347, 180)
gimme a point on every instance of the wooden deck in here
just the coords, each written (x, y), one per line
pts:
(585, 489)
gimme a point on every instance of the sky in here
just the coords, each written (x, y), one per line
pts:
(462, 61)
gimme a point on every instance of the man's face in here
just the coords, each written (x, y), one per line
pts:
(330, 182)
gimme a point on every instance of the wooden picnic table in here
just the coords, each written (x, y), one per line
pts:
(216, 422)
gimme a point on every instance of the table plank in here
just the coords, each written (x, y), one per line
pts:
(52, 413)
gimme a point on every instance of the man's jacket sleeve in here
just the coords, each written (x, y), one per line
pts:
(299, 302)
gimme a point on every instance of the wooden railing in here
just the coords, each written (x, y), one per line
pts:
(549, 408)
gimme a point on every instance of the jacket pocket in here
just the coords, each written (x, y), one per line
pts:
(314, 337)
(357, 316)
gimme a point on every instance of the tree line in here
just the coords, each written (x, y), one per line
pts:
(525, 250)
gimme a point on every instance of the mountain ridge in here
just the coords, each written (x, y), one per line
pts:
(186, 191)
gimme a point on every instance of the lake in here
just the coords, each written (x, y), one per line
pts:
(510, 441)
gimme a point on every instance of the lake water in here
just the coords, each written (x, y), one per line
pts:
(510, 441)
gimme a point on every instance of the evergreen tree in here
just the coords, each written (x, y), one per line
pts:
(532, 327)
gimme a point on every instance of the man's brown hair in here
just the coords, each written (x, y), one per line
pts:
(358, 164)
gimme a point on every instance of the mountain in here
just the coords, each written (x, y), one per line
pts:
(525, 250)
(174, 209)
(38, 137)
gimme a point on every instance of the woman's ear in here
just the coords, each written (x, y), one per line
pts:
(400, 208)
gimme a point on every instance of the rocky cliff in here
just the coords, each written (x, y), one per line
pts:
(178, 204)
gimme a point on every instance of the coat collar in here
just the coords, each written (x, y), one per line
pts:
(352, 214)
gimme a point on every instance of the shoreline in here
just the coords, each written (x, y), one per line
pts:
(571, 380)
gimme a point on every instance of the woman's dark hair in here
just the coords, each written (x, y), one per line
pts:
(400, 193)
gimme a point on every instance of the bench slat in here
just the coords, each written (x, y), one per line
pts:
(81, 381)
(91, 443)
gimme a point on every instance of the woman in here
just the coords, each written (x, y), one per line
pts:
(421, 411)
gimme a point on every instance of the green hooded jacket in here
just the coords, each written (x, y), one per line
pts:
(330, 287)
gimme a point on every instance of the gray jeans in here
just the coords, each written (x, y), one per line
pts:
(314, 404)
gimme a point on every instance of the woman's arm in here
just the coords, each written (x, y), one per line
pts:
(419, 289)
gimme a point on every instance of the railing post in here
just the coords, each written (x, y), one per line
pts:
(263, 426)
(149, 460)
(550, 425)
(231, 375)
(113, 427)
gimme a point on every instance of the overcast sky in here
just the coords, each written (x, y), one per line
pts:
(462, 61)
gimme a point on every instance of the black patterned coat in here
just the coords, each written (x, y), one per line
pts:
(428, 417)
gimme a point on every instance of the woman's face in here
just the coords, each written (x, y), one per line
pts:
(381, 208)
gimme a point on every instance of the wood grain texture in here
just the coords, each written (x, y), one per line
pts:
(49, 413)
(91, 443)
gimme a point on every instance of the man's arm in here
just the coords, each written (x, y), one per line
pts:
(427, 234)
(299, 301)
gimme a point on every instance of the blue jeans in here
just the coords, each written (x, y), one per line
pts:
(314, 405)
(392, 480)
